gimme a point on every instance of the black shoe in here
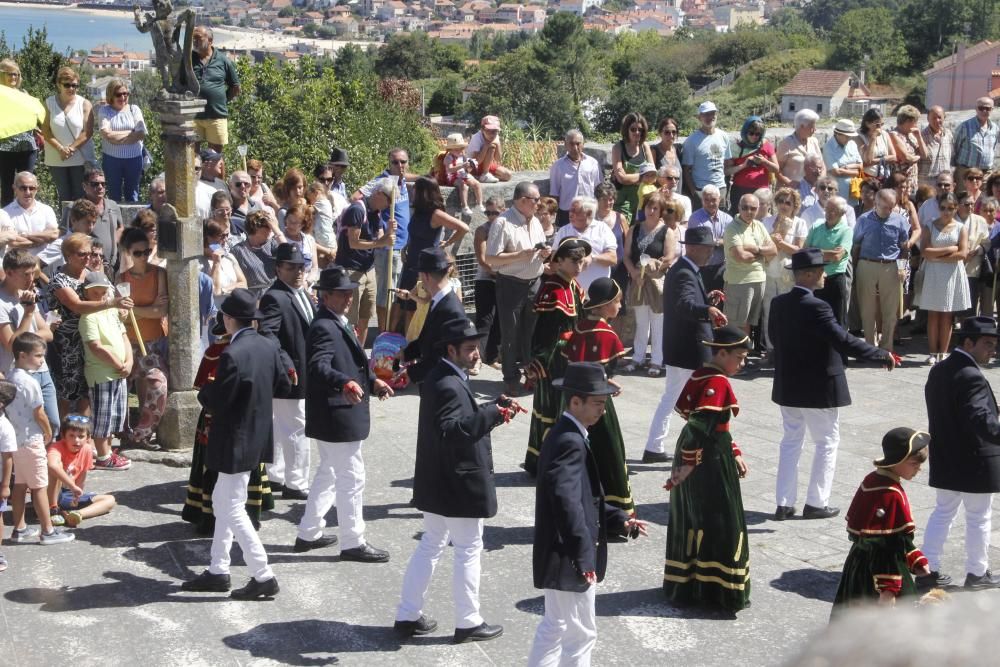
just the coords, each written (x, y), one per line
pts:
(656, 457)
(481, 633)
(206, 582)
(308, 545)
(421, 626)
(256, 590)
(783, 513)
(276, 488)
(366, 553)
(932, 580)
(294, 494)
(810, 512)
(988, 580)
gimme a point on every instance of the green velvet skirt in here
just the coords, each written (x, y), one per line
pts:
(883, 554)
(608, 448)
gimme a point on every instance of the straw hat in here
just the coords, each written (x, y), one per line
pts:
(455, 140)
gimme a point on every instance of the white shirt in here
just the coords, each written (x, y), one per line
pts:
(568, 179)
(583, 429)
(601, 239)
(8, 439)
(40, 218)
(928, 212)
(436, 299)
(816, 213)
(203, 198)
(462, 374)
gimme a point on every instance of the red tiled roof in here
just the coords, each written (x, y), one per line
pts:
(816, 83)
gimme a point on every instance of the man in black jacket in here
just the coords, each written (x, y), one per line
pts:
(572, 523)
(337, 416)
(453, 486)
(286, 311)
(252, 370)
(689, 313)
(965, 453)
(433, 265)
(810, 384)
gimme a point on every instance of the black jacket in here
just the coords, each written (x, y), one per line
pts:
(335, 358)
(809, 352)
(284, 322)
(685, 318)
(454, 469)
(965, 432)
(251, 372)
(571, 518)
(424, 349)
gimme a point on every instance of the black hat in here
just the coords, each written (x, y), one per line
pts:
(241, 305)
(571, 243)
(458, 330)
(433, 260)
(600, 292)
(209, 155)
(585, 377)
(219, 326)
(807, 258)
(338, 156)
(334, 277)
(8, 391)
(729, 337)
(290, 253)
(974, 327)
(699, 236)
(899, 444)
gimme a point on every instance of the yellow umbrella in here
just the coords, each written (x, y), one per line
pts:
(20, 112)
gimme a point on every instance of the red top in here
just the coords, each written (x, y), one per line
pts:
(75, 464)
(753, 177)
(209, 362)
(708, 389)
(593, 340)
(557, 294)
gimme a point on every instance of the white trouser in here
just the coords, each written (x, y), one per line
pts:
(342, 468)
(648, 330)
(291, 446)
(229, 499)
(978, 508)
(824, 428)
(466, 537)
(674, 380)
(568, 631)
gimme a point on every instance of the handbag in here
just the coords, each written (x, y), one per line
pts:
(855, 185)
(147, 159)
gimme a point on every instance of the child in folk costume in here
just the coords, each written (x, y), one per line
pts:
(558, 306)
(879, 523)
(593, 339)
(707, 549)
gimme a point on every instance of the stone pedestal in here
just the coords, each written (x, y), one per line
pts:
(180, 243)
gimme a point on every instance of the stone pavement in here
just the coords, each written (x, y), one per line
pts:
(112, 596)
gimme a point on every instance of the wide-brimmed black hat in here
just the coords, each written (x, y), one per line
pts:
(729, 337)
(290, 253)
(600, 292)
(334, 277)
(218, 326)
(433, 260)
(571, 243)
(977, 326)
(899, 444)
(457, 331)
(585, 377)
(241, 305)
(338, 156)
(807, 258)
(699, 236)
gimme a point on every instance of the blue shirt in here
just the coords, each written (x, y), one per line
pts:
(881, 239)
(402, 208)
(975, 146)
(718, 223)
(706, 154)
(837, 157)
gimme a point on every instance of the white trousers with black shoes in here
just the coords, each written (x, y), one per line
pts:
(341, 476)
(978, 511)
(823, 425)
(674, 380)
(466, 537)
(568, 631)
(291, 446)
(229, 499)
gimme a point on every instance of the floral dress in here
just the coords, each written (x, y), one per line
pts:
(65, 354)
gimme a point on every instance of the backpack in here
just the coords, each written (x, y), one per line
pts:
(438, 172)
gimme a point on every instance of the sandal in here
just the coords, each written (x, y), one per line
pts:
(73, 519)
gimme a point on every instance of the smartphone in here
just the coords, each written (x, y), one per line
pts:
(214, 247)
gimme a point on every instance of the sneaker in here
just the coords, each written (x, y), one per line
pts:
(933, 580)
(655, 371)
(73, 519)
(488, 178)
(23, 535)
(467, 212)
(115, 462)
(931, 359)
(57, 536)
(480, 208)
(56, 517)
(982, 582)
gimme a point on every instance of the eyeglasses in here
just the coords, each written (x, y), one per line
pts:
(671, 178)
(142, 253)
(973, 178)
(121, 95)
(197, 168)
(748, 208)
(635, 128)
(968, 202)
(222, 211)
(534, 199)
(71, 86)
(399, 162)
(670, 132)
(242, 184)
(492, 214)
(325, 181)
(985, 108)
(97, 184)
(827, 188)
(27, 188)
(78, 419)
(947, 208)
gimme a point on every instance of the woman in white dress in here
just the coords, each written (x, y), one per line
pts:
(944, 245)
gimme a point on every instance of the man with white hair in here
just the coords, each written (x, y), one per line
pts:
(748, 246)
(670, 176)
(604, 246)
(833, 235)
(239, 194)
(975, 141)
(796, 147)
(35, 223)
(575, 174)
(937, 139)
(813, 170)
(826, 188)
(711, 215)
(705, 154)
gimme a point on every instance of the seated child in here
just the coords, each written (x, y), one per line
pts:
(458, 170)
(69, 460)
(8, 445)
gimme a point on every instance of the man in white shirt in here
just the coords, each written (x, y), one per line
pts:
(34, 222)
(601, 238)
(575, 174)
(202, 192)
(826, 187)
(671, 175)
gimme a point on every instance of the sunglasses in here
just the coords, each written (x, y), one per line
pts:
(242, 184)
(71, 86)
(27, 188)
(121, 95)
(534, 199)
(985, 108)
(635, 128)
(78, 419)
(827, 188)
(97, 184)
(492, 214)
(973, 178)
(670, 132)
(325, 181)
(142, 253)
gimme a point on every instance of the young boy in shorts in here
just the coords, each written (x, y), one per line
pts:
(8, 445)
(69, 460)
(32, 431)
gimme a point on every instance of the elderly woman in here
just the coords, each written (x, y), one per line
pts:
(255, 254)
(842, 157)
(908, 143)
(68, 128)
(122, 132)
(627, 155)
(666, 152)
(788, 231)
(877, 151)
(979, 243)
(793, 149)
(259, 190)
(752, 164)
(834, 237)
(17, 151)
(944, 245)
(218, 263)
(222, 212)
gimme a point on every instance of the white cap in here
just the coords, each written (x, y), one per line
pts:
(707, 107)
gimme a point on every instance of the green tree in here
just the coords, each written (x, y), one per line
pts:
(448, 57)
(407, 55)
(822, 14)
(352, 63)
(654, 91)
(447, 98)
(931, 27)
(743, 45)
(868, 37)
(573, 57)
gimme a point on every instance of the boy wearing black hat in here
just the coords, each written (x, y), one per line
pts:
(557, 306)
(572, 522)
(707, 547)
(880, 526)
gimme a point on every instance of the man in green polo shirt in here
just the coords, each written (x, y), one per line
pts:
(834, 238)
(219, 84)
(748, 247)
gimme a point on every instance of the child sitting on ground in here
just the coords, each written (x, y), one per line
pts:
(69, 460)
(8, 445)
(458, 170)
(883, 555)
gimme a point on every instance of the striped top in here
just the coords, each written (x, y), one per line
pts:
(128, 119)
